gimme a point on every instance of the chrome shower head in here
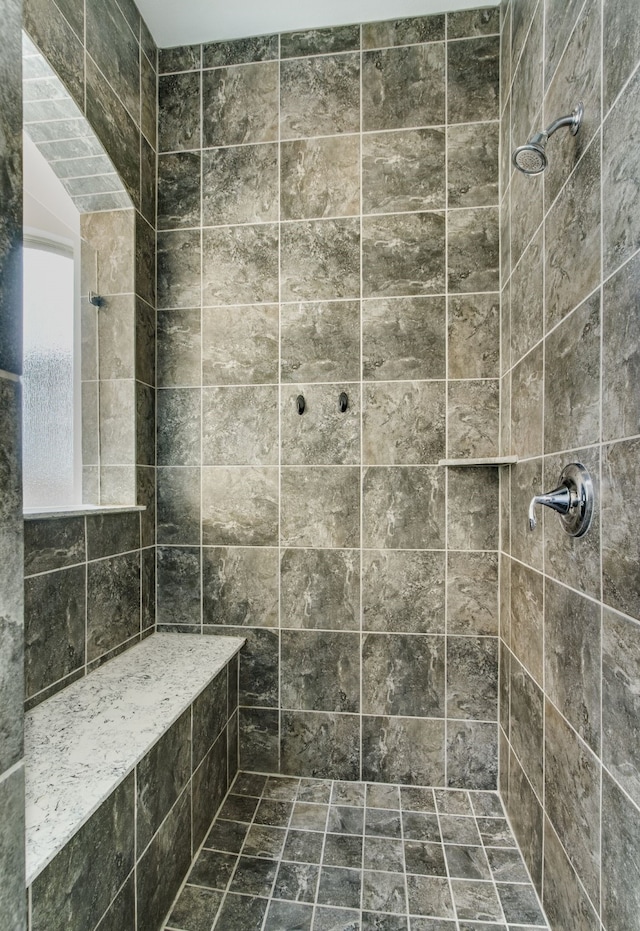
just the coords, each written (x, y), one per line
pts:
(531, 158)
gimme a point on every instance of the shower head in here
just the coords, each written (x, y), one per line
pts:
(531, 158)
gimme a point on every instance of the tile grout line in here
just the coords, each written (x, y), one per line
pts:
(281, 550)
(601, 747)
(363, 402)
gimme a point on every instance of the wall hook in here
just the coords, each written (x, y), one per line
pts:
(300, 402)
(96, 299)
(343, 401)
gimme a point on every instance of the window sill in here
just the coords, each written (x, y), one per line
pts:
(79, 510)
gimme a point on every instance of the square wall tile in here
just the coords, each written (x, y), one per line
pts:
(406, 750)
(403, 591)
(240, 104)
(13, 912)
(472, 593)
(320, 671)
(239, 51)
(386, 74)
(404, 423)
(572, 793)
(403, 507)
(240, 586)
(319, 96)
(620, 359)
(240, 425)
(404, 338)
(320, 177)
(572, 380)
(620, 489)
(240, 345)
(320, 342)
(320, 589)
(179, 269)
(403, 171)
(403, 254)
(320, 260)
(319, 41)
(403, 675)
(320, 506)
(239, 506)
(54, 634)
(178, 585)
(619, 163)
(240, 185)
(620, 663)
(324, 746)
(620, 843)
(240, 265)
(179, 426)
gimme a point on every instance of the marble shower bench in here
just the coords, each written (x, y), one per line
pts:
(125, 770)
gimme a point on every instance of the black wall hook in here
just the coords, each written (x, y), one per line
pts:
(300, 403)
(343, 401)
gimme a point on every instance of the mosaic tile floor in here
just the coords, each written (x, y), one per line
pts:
(315, 855)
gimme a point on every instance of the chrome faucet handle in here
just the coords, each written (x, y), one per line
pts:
(559, 500)
(572, 499)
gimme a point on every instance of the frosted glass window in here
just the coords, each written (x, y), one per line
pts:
(48, 379)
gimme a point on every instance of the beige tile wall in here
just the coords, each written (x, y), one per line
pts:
(570, 640)
(328, 222)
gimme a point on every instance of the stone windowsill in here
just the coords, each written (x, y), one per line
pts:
(79, 510)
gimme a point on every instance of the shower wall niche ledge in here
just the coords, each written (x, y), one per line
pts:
(481, 461)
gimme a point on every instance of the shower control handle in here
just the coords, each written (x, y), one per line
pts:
(559, 500)
(572, 499)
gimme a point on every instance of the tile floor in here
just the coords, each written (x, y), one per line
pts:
(315, 855)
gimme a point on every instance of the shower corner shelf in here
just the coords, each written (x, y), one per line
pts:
(483, 461)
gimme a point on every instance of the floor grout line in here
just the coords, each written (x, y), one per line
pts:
(442, 803)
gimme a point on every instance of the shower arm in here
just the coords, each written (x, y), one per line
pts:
(572, 120)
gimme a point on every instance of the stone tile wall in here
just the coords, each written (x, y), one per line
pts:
(570, 636)
(130, 858)
(328, 223)
(106, 59)
(89, 595)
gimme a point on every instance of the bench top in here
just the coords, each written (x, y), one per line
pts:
(81, 743)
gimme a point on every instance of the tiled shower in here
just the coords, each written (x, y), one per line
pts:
(337, 214)
(320, 232)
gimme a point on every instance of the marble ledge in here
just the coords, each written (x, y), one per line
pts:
(82, 742)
